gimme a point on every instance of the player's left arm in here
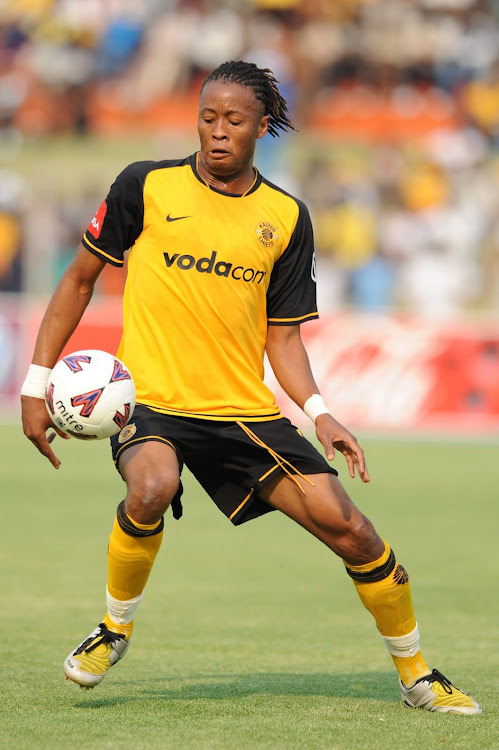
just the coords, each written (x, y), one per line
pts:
(289, 361)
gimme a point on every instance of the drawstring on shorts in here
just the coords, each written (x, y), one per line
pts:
(280, 461)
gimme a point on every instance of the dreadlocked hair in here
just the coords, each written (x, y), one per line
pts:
(264, 85)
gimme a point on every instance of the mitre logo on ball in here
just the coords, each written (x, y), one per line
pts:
(90, 394)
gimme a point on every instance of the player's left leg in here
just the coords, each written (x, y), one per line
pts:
(327, 512)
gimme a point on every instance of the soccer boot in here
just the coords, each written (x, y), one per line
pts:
(436, 693)
(88, 663)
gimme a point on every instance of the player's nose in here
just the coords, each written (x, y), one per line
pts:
(219, 131)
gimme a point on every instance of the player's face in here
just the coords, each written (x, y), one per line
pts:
(230, 121)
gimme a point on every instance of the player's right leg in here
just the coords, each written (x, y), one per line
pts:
(152, 474)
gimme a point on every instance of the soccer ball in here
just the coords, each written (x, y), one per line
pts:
(90, 394)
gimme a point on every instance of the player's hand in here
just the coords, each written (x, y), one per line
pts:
(333, 437)
(36, 422)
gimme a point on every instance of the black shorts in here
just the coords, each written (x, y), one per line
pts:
(225, 460)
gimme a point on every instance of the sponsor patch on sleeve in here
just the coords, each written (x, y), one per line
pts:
(95, 226)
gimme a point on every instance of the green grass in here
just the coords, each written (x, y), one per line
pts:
(247, 638)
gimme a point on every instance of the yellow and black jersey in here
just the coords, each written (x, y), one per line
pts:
(208, 271)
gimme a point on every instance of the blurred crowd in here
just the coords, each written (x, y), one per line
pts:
(396, 102)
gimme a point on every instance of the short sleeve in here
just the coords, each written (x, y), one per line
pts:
(292, 294)
(119, 219)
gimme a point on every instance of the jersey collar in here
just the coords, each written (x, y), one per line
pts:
(193, 161)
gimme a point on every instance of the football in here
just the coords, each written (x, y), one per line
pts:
(90, 394)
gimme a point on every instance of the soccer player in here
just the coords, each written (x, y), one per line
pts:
(221, 270)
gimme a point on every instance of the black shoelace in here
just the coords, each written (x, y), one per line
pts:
(107, 637)
(437, 676)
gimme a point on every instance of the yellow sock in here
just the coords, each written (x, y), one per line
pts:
(384, 590)
(130, 559)
(410, 668)
(126, 630)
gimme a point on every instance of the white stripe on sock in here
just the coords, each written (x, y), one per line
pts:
(121, 612)
(404, 645)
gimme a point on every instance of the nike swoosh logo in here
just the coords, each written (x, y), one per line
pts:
(177, 218)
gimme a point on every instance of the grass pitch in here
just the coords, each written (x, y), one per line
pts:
(247, 638)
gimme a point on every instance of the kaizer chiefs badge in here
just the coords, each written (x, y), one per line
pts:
(126, 433)
(266, 233)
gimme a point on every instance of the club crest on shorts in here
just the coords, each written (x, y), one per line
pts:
(267, 233)
(126, 433)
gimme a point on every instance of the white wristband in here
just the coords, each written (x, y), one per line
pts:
(35, 382)
(314, 406)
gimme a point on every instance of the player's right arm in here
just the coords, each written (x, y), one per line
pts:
(61, 318)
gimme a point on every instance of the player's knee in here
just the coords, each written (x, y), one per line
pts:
(360, 544)
(149, 496)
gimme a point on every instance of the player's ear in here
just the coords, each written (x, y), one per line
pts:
(263, 126)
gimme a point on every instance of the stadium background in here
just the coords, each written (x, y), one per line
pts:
(397, 156)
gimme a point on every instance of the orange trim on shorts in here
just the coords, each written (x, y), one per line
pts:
(145, 439)
(251, 492)
(280, 461)
(242, 504)
(211, 417)
(264, 476)
(268, 472)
